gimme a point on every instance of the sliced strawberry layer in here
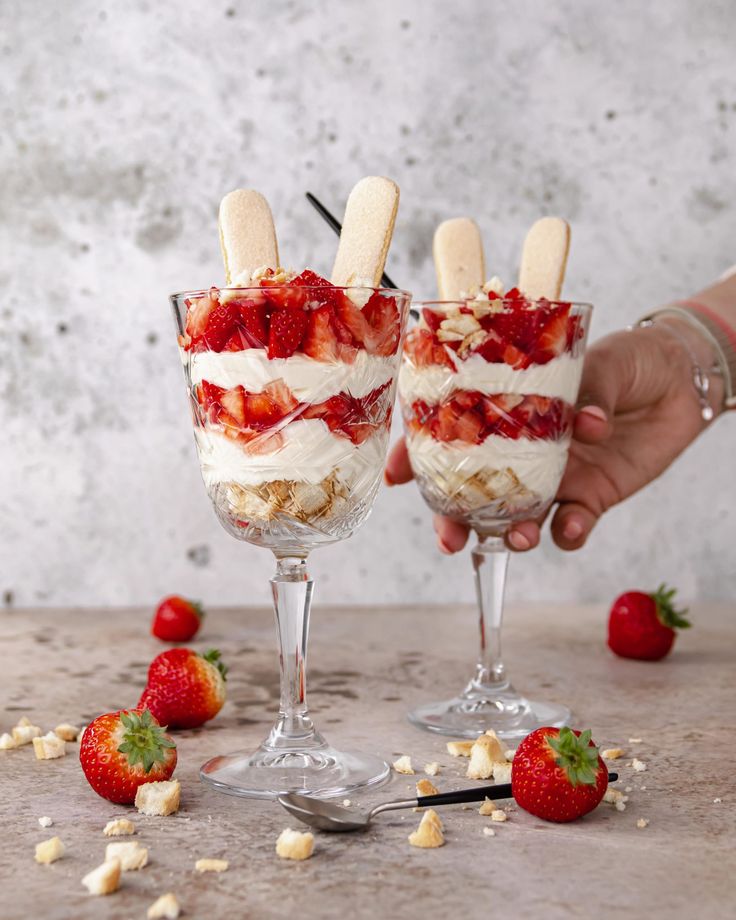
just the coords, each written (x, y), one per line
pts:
(471, 416)
(519, 335)
(307, 315)
(245, 416)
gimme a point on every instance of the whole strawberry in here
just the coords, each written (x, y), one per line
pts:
(185, 689)
(176, 619)
(557, 774)
(121, 751)
(643, 625)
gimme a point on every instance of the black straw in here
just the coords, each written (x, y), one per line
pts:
(337, 227)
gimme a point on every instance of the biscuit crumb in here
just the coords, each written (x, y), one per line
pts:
(432, 769)
(7, 742)
(294, 844)
(638, 765)
(104, 879)
(429, 833)
(161, 798)
(487, 808)
(488, 832)
(211, 865)
(346, 803)
(485, 752)
(120, 827)
(165, 908)
(510, 754)
(403, 765)
(613, 753)
(67, 732)
(459, 748)
(49, 747)
(717, 801)
(499, 815)
(24, 734)
(502, 772)
(131, 854)
(642, 822)
(49, 851)
(426, 787)
(45, 821)
(635, 740)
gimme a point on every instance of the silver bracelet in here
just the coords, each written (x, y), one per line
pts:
(700, 377)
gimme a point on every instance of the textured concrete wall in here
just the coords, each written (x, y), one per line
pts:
(124, 123)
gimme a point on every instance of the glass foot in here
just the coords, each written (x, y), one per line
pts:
(509, 714)
(267, 774)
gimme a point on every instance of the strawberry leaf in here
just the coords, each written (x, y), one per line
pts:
(667, 613)
(213, 656)
(144, 740)
(576, 756)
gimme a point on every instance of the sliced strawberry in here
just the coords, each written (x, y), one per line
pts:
(220, 325)
(209, 395)
(261, 411)
(233, 402)
(553, 338)
(432, 318)
(423, 350)
(353, 319)
(320, 341)
(282, 397)
(384, 320)
(515, 357)
(286, 333)
(491, 349)
(468, 427)
(199, 312)
(254, 318)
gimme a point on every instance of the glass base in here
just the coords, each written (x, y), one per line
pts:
(266, 774)
(509, 714)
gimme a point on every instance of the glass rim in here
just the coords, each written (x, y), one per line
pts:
(179, 295)
(578, 306)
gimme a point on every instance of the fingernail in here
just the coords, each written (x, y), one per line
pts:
(595, 412)
(572, 529)
(518, 540)
(444, 548)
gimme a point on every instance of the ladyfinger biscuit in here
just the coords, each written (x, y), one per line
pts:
(458, 258)
(247, 234)
(367, 228)
(544, 258)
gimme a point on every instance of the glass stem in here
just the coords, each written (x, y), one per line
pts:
(490, 561)
(292, 587)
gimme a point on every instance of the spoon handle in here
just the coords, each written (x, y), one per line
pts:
(477, 794)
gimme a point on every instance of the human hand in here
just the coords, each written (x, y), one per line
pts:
(637, 412)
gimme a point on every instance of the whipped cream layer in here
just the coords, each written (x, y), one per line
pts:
(558, 379)
(309, 380)
(538, 464)
(309, 453)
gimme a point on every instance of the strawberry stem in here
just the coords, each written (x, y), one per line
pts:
(667, 613)
(144, 740)
(577, 757)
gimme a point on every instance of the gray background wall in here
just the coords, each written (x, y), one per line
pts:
(124, 123)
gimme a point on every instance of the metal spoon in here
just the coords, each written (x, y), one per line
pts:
(327, 816)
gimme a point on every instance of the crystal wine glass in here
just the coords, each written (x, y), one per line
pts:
(292, 440)
(487, 390)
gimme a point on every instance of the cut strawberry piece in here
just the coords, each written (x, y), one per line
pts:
(323, 291)
(261, 411)
(515, 357)
(220, 325)
(491, 349)
(208, 394)
(281, 396)
(254, 318)
(233, 402)
(423, 350)
(320, 341)
(553, 338)
(354, 321)
(432, 318)
(468, 427)
(286, 333)
(384, 320)
(199, 312)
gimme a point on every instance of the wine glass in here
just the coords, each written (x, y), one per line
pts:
(292, 445)
(487, 390)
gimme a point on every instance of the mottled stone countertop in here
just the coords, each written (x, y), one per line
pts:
(367, 667)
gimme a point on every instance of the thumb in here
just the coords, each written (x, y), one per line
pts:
(605, 369)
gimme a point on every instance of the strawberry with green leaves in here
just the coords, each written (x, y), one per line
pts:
(121, 751)
(557, 774)
(185, 689)
(644, 625)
